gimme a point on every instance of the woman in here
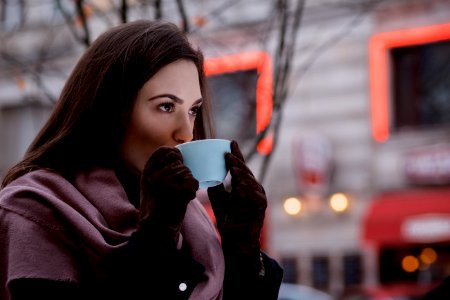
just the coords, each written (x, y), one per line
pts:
(102, 207)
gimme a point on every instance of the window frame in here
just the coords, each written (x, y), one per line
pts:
(380, 45)
(262, 62)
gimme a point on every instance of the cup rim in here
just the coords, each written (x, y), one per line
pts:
(203, 140)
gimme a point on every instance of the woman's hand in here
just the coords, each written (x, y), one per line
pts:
(167, 187)
(240, 214)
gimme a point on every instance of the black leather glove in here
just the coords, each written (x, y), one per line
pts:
(167, 187)
(240, 214)
(150, 264)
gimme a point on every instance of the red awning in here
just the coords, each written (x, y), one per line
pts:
(407, 217)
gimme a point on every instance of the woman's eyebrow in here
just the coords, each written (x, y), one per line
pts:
(200, 100)
(174, 98)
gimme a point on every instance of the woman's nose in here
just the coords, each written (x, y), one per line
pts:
(185, 129)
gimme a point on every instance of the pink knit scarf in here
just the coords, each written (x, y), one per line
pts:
(96, 206)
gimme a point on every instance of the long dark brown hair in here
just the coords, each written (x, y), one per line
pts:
(89, 120)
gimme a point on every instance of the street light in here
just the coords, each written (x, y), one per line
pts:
(339, 202)
(292, 206)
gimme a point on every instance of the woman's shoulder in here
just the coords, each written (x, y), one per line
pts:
(42, 183)
(29, 195)
(26, 198)
(34, 178)
(93, 197)
(39, 179)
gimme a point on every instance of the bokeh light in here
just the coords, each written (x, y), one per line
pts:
(428, 256)
(292, 206)
(339, 202)
(410, 263)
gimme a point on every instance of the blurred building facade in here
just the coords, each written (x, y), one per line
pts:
(385, 149)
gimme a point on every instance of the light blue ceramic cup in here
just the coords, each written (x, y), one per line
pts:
(206, 160)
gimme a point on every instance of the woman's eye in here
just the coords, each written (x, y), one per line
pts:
(194, 111)
(166, 107)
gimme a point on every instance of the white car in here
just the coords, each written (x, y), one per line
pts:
(291, 291)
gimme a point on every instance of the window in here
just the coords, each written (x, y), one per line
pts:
(410, 94)
(289, 265)
(240, 86)
(352, 269)
(421, 91)
(234, 104)
(321, 272)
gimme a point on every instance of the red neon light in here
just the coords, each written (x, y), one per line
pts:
(263, 64)
(379, 46)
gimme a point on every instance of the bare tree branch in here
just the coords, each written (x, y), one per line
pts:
(3, 11)
(22, 12)
(124, 11)
(185, 22)
(158, 9)
(85, 40)
(36, 76)
(284, 59)
(83, 21)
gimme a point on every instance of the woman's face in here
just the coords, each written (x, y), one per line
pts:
(164, 112)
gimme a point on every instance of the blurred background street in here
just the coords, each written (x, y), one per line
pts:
(342, 108)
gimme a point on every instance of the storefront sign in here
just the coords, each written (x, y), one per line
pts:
(313, 163)
(426, 228)
(430, 165)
